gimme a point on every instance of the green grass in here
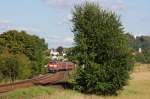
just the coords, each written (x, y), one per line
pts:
(138, 88)
(28, 93)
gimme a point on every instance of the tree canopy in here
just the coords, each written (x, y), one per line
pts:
(60, 49)
(101, 51)
(28, 51)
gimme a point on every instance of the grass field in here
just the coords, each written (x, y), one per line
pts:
(138, 88)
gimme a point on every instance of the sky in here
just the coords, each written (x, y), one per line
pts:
(50, 19)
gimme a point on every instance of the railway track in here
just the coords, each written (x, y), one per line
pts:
(42, 80)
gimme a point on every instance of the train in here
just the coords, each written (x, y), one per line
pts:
(55, 66)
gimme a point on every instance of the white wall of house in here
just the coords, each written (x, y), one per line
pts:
(54, 52)
(55, 55)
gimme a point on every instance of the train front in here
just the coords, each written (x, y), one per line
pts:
(55, 66)
(52, 67)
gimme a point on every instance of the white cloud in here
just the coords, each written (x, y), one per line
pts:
(4, 21)
(4, 24)
(108, 4)
(58, 3)
(8, 25)
(69, 17)
(55, 40)
(31, 30)
(66, 20)
(69, 39)
(11, 27)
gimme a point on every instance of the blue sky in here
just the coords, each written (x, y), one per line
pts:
(49, 19)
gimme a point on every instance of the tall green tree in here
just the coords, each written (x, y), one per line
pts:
(9, 66)
(14, 66)
(101, 51)
(30, 47)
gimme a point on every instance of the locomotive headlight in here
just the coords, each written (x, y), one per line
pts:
(55, 65)
(50, 65)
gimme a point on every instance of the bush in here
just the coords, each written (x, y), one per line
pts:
(101, 51)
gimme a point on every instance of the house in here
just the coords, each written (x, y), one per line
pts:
(54, 52)
(56, 56)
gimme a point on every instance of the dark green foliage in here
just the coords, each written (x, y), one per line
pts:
(28, 50)
(60, 50)
(101, 51)
(146, 54)
(143, 42)
(72, 54)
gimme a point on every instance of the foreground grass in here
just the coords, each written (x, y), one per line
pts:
(28, 93)
(138, 88)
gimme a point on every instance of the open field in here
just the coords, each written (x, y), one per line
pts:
(138, 88)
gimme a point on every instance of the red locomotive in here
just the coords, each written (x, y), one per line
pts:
(55, 66)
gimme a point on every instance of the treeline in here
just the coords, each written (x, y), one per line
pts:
(21, 55)
(140, 43)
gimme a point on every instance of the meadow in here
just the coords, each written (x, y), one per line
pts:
(138, 88)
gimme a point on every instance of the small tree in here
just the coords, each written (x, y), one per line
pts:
(24, 68)
(101, 51)
(9, 66)
(60, 50)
